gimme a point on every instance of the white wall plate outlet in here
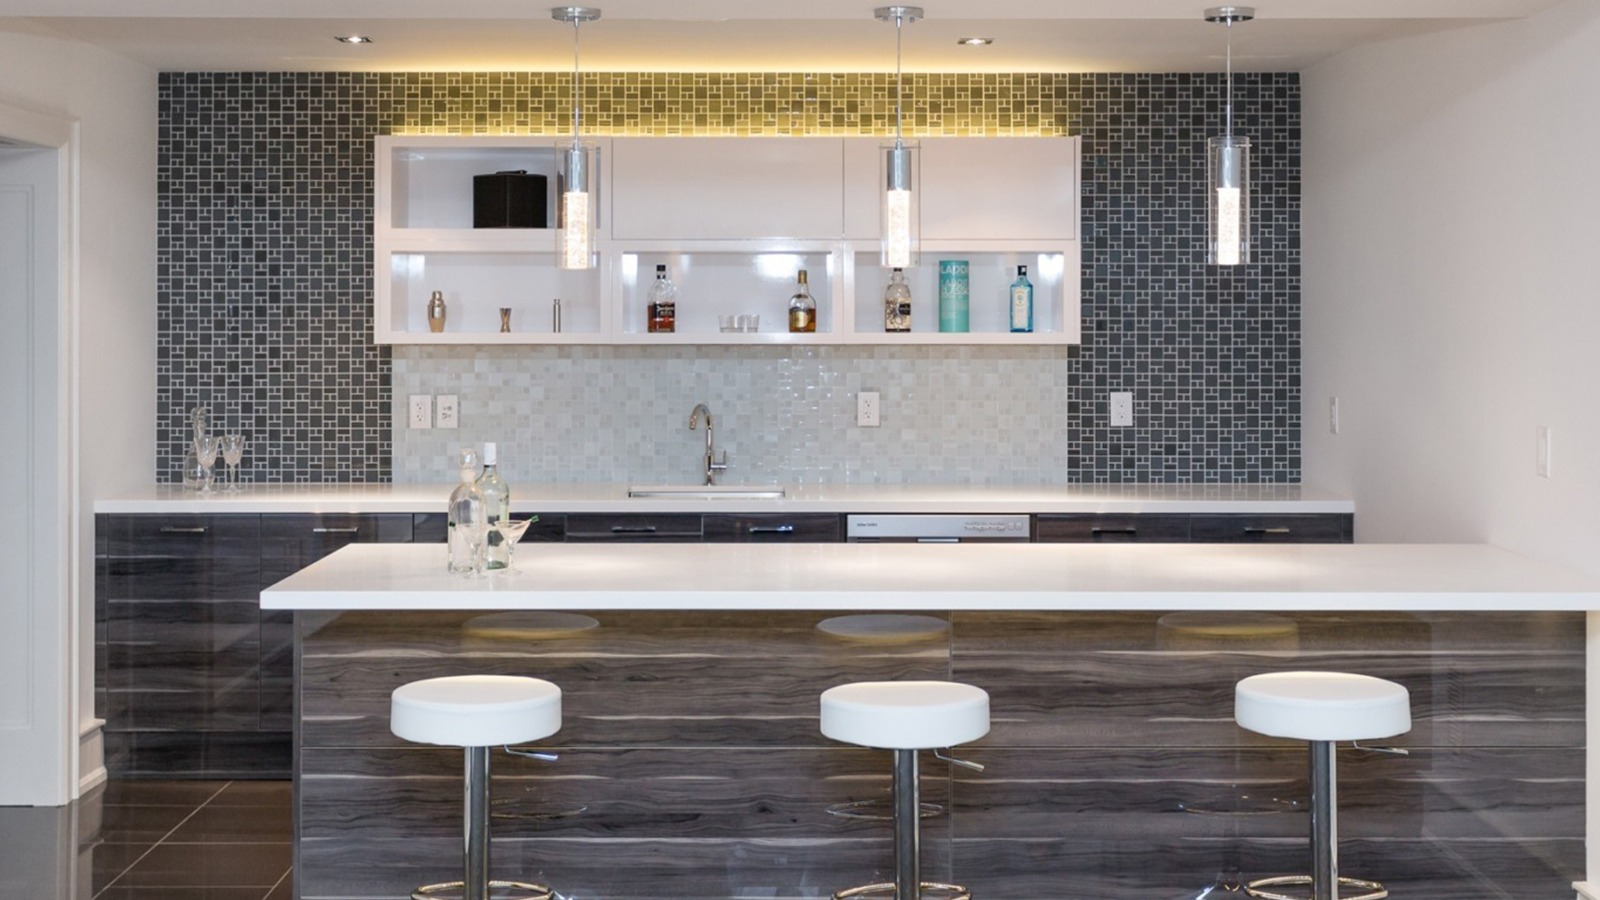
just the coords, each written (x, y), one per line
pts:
(868, 409)
(419, 411)
(1121, 409)
(446, 411)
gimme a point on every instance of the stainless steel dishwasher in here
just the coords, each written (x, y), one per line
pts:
(936, 529)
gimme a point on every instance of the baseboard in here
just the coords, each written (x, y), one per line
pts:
(91, 756)
(1587, 890)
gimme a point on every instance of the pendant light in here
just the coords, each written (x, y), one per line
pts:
(1228, 169)
(577, 169)
(900, 223)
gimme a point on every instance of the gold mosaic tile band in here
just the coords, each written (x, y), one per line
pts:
(736, 103)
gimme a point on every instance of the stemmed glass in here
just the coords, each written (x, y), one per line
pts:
(206, 447)
(511, 531)
(233, 454)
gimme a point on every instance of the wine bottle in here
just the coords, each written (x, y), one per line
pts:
(802, 309)
(497, 504)
(897, 303)
(1022, 302)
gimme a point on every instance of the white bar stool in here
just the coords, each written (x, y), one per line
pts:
(1322, 708)
(906, 716)
(476, 713)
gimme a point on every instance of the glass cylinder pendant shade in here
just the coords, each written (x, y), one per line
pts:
(577, 181)
(1228, 183)
(901, 221)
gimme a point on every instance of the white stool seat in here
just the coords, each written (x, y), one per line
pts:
(905, 715)
(1322, 706)
(475, 710)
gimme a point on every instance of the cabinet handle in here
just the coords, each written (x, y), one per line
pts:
(173, 529)
(321, 530)
(1098, 530)
(633, 529)
(1278, 530)
(771, 529)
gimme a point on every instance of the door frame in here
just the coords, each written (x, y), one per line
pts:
(63, 631)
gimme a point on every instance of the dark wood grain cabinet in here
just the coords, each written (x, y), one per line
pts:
(634, 527)
(1196, 528)
(194, 679)
(799, 528)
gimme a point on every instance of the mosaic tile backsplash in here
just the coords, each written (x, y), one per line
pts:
(265, 293)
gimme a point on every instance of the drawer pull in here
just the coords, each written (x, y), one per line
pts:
(322, 530)
(1278, 530)
(173, 529)
(1098, 530)
(633, 529)
(771, 529)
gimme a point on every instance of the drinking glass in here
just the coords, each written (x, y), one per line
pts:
(233, 454)
(206, 448)
(511, 531)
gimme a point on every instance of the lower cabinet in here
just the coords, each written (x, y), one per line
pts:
(1196, 528)
(193, 678)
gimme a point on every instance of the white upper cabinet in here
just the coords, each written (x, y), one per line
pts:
(983, 189)
(732, 188)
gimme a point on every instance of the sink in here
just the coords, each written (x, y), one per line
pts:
(709, 491)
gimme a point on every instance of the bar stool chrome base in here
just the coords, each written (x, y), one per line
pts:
(1375, 890)
(498, 890)
(929, 890)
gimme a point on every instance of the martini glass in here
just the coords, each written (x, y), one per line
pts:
(511, 531)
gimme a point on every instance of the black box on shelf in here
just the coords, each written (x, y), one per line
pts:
(508, 200)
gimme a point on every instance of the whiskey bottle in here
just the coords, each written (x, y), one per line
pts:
(802, 309)
(663, 304)
(897, 303)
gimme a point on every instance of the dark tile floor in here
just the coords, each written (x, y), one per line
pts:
(140, 840)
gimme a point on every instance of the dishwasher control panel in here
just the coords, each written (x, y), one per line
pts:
(937, 528)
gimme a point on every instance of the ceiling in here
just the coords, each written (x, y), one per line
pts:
(734, 35)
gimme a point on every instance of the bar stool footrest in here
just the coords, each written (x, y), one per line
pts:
(498, 890)
(1374, 889)
(929, 890)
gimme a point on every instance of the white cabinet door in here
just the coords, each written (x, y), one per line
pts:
(726, 188)
(981, 188)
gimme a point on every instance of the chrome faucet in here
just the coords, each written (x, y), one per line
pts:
(712, 466)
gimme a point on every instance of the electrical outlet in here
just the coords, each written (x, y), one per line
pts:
(1333, 415)
(446, 411)
(1121, 409)
(420, 411)
(867, 409)
(1541, 465)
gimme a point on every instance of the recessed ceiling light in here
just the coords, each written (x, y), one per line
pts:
(975, 41)
(353, 39)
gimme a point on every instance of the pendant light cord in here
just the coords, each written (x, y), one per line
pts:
(1230, 78)
(577, 86)
(899, 79)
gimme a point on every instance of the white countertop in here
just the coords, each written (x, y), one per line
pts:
(613, 498)
(1288, 577)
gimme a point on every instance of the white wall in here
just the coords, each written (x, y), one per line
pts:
(114, 101)
(1452, 283)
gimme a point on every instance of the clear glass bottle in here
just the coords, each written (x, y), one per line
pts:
(468, 521)
(802, 309)
(1022, 302)
(897, 303)
(497, 501)
(662, 307)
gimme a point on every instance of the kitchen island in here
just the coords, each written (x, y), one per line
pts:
(691, 762)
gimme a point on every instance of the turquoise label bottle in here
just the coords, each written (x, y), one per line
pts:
(954, 295)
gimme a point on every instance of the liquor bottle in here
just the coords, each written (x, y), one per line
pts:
(497, 502)
(802, 309)
(663, 304)
(897, 303)
(1022, 302)
(467, 525)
